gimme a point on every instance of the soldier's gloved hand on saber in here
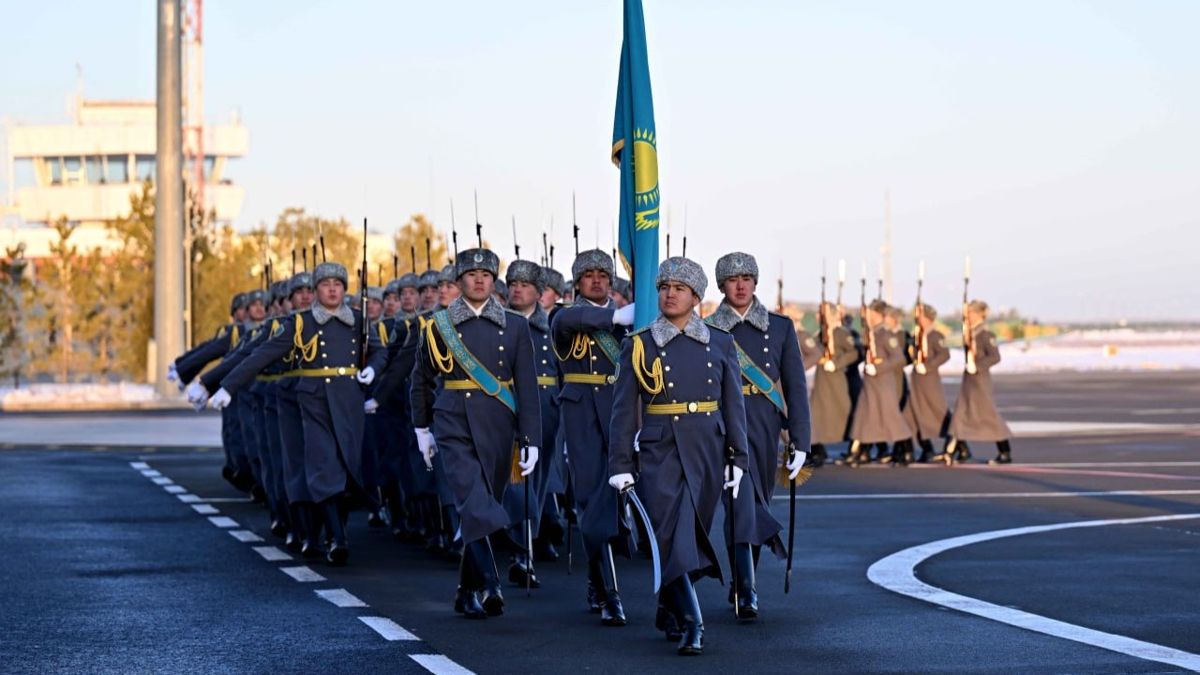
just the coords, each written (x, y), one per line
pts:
(531, 460)
(971, 367)
(623, 316)
(620, 481)
(733, 482)
(830, 366)
(795, 464)
(427, 446)
(366, 375)
(921, 369)
(220, 399)
(370, 406)
(197, 395)
(870, 369)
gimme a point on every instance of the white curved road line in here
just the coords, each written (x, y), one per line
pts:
(897, 573)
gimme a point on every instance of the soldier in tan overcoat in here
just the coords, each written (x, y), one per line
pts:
(830, 403)
(877, 417)
(927, 409)
(975, 415)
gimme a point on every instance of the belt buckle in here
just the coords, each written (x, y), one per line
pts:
(610, 379)
(692, 406)
(341, 371)
(753, 389)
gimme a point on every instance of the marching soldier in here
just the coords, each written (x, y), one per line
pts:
(831, 402)
(975, 415)
(410, 295)
(902, 452)
(326, 339)
(927, 401)
(186, 367)
(374, 433)
(681, 378)
(488, 402)
(587, 338)
(810, 354)
(448, 289)
(776, 395)
(524, 281)
(877, 418)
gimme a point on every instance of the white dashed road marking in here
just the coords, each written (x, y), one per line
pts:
(272, 553)
(897, 573)
(162, 480)
(341, 597)
(223, 521)
(303, 574)
(150, 473)
(390, 630)
(245, 536)
(440, 665)
(175, 489)
(205, 509)
(139, 465)
(189, 499)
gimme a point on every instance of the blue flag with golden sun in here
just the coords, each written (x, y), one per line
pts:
(634, 151)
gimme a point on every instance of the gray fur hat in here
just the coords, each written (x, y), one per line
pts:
(553, 279)
(527, 271)
(446, 276)
(331, 270)
(300, 280)
(238, 302)
(429, 278)
(594, 259)
(502, 289)
(684, 271)
(279, 291)
(257, 295)
(476, 259)
(734, 265)
(375, 293)
(392, 288)
(409, 280)
(623, 287)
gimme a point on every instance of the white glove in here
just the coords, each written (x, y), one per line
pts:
(796, 464)
(637, 447)
(623, 316)
(734, 483)
(971, 368)
(427, 445)
(370, 406)
(220, 399)
(870, 369)
(197, 395)
(921, 369)
(620, 481)
(172, 375)
(830, 366)
(531, 460)
(366, 375)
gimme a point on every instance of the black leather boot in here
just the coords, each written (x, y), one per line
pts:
(466, 598)
(520, 574)
(963, 451)
(484, 564)
(926, 451)
(595, 585)
(690, 619)
(612, 613)
(310, 530)
(339, 549)
(1005, 453)
(817, 458)
(435, 534)
(666, 618)
(295, 537)
(743, 576)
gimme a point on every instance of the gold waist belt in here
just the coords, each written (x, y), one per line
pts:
(682, 408)
(467, 384)
(588, 378)
(324, 372)
(547, 381)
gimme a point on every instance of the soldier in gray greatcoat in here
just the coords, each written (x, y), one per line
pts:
(975, 415)
(927, 399)
(877, 417)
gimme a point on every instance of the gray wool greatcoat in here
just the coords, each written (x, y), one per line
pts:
(877, 418)
(975, 416)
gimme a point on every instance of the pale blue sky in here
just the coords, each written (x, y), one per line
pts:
(1056, 142)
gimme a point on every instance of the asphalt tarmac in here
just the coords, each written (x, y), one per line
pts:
(109, 569)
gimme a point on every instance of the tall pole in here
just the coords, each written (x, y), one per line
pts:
(168, 208)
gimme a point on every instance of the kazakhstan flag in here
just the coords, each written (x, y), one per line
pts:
(634, 151)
